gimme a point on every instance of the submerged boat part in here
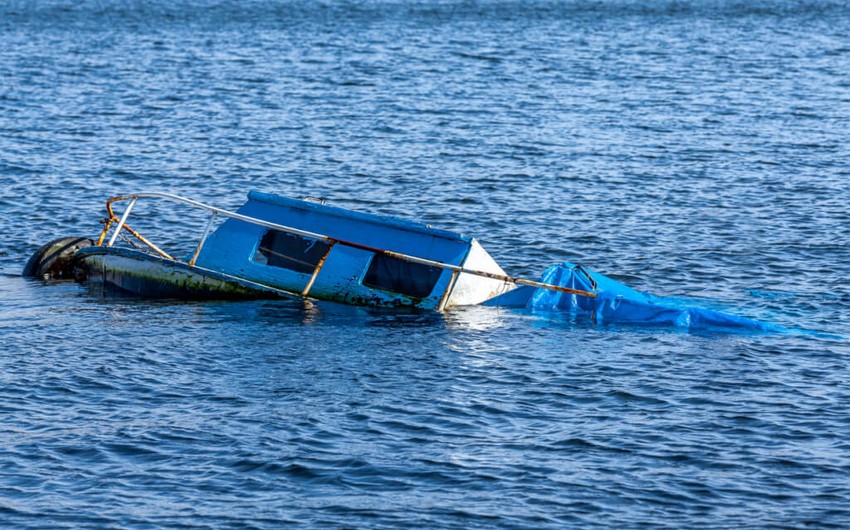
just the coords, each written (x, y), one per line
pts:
(56, 259)
(616, 303)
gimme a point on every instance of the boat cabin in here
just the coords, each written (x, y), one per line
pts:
(330, 253)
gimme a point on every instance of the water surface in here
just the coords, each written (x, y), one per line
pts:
(694, 149)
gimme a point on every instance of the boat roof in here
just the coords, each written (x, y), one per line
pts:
(325, 210)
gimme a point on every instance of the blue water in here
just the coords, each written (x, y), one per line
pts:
(695, 149)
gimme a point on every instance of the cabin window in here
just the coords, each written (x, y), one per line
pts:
(288, 251)
(399, 276)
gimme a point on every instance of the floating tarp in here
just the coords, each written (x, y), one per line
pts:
(617, 303)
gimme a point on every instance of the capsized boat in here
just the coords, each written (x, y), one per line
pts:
(275, 246)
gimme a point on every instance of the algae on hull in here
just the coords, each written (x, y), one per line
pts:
(160, 278)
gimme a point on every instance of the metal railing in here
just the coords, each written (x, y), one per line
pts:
(214, 212)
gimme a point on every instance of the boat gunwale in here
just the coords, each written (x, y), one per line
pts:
(195, 269)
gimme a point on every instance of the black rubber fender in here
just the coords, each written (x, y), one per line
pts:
(56, 259)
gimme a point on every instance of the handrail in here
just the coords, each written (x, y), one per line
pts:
(303, 233)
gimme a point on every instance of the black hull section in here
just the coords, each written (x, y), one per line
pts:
(123, 272)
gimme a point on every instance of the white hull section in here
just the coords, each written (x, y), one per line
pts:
(470, 289)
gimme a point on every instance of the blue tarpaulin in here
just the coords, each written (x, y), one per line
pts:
(617, 303)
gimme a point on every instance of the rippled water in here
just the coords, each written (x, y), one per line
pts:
(690, 148)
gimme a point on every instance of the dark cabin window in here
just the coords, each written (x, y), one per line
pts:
(399, 276)
(296, 253)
